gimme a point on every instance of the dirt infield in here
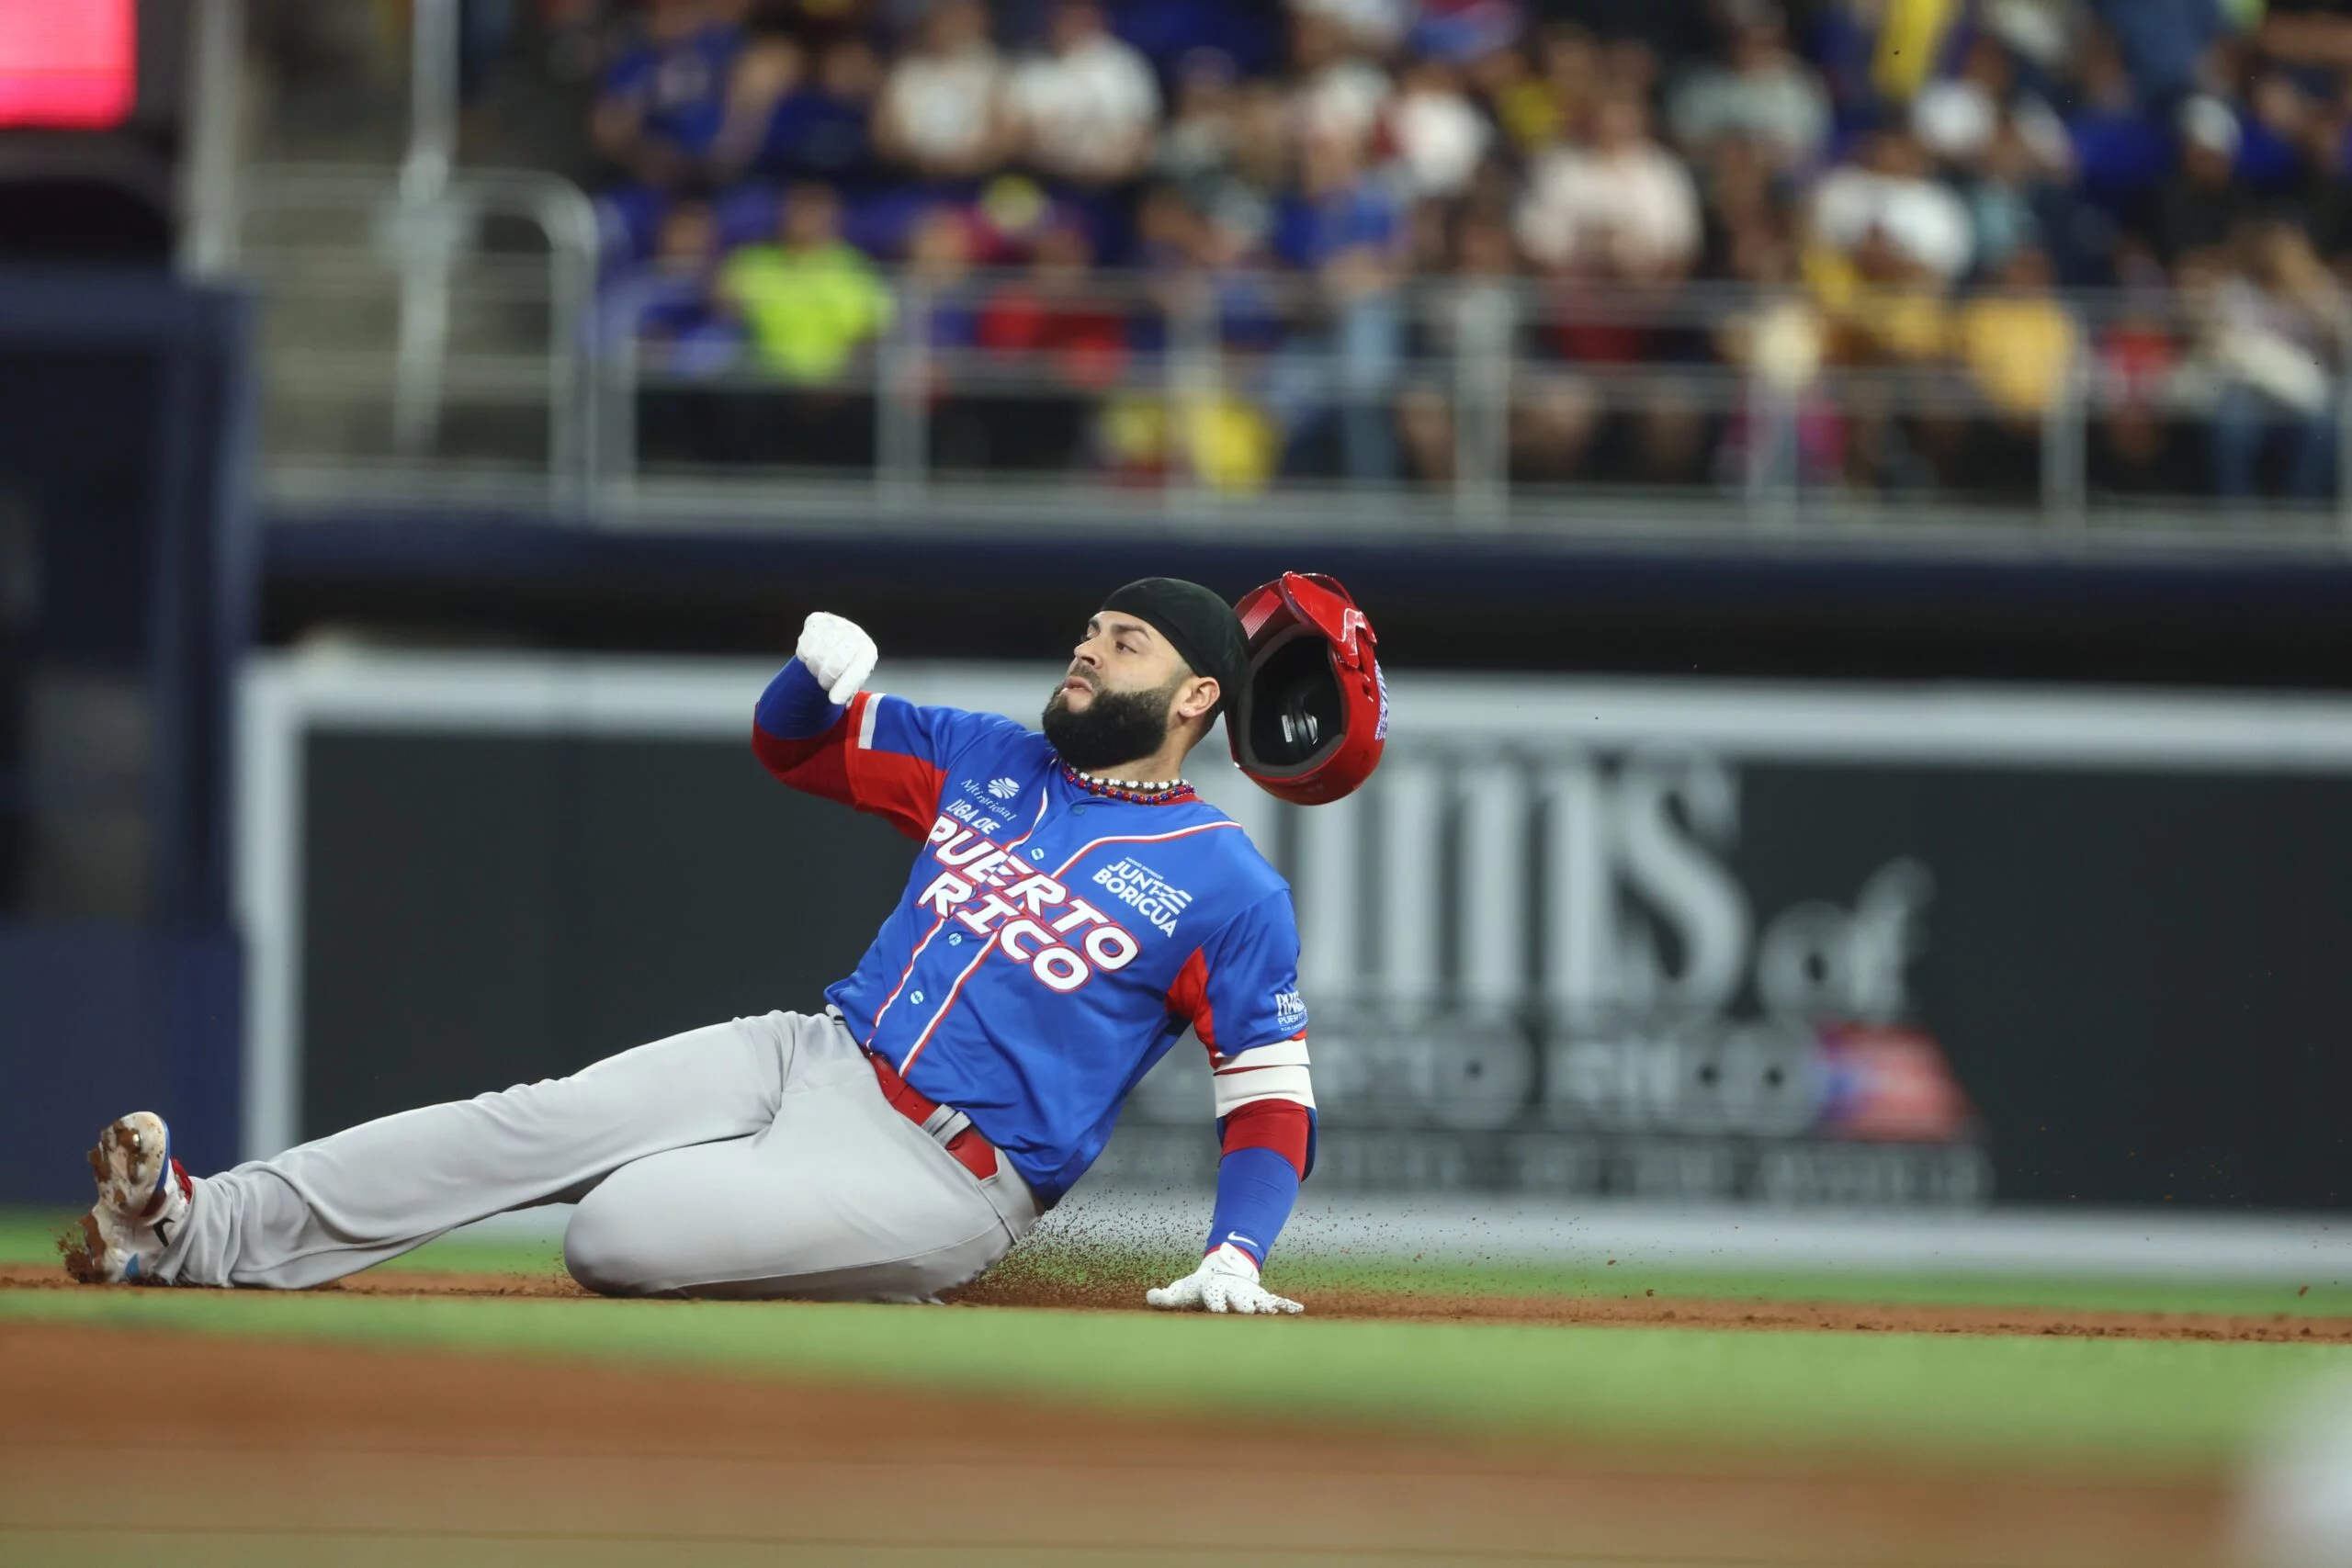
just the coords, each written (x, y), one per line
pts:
(1648, 1310)
(119, 1446)
(1587, 1311)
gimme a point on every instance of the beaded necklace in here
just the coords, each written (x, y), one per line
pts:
(1159, 792)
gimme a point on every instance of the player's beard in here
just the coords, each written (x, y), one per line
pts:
(1116, 728)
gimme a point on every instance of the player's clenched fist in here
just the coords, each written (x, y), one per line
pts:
(1227, 1280)
(838, 652)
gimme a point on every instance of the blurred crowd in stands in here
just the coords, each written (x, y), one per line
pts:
(1593, 228)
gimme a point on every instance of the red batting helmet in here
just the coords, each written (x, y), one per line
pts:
(1313, 711)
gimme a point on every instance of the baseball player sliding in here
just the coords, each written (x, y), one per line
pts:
(1072, 908)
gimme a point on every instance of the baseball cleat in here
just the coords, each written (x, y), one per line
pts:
(143, 1198)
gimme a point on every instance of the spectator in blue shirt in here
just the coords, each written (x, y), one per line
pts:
(678, 327)
(821, 131)
(2164, 43)
(2122, 151)
(1337, 208)
(663, 101)
(1345, 228)
(663, 308)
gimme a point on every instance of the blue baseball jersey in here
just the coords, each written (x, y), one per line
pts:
(1052, 944)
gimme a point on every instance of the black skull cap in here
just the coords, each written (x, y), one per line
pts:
(1198, 624)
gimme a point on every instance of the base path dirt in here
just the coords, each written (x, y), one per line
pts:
(1645, 1311)
(1578, 1311)
(140, 1446)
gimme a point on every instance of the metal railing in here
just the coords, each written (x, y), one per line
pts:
(396, 314)
(1486, 404)
(1445, 404)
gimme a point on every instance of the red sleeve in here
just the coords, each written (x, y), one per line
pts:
(842, 765)
(1188, 998)
(814, 764)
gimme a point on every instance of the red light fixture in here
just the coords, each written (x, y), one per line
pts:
(68, 64)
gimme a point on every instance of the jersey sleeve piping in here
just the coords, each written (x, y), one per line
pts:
(843, 764)
(897, 786)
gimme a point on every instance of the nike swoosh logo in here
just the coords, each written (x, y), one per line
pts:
(164, 1232)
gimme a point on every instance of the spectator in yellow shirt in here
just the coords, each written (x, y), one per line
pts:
(1885, 308)
(2015, 344)
(1888, 322)
(810, 302)
(2018, 343)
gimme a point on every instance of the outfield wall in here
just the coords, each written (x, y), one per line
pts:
(1684, 944)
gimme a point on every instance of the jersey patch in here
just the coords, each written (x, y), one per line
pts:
(1145, 891)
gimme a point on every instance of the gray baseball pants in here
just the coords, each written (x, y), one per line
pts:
(751, 1158)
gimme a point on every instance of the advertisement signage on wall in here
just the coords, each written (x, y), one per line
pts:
(1660, 940)
(1554, 970)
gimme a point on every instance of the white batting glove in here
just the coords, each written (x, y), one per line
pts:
(1227, 1280)
(838, 652)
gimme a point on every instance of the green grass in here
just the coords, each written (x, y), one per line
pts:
(2167, 1405)
(2135, 1403)
(1945, 1290)
(26, 1238)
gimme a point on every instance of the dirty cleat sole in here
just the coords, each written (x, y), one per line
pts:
(131, 1158)
(143, 1198)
